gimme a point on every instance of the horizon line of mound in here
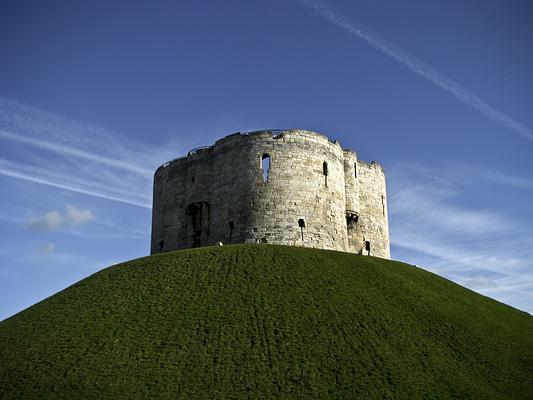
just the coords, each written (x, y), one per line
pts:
(266, 321)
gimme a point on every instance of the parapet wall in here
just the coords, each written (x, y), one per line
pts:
(314, 194)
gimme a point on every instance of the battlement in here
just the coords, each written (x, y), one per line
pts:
(282, 186)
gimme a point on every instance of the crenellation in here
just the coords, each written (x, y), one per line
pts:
(316, 195)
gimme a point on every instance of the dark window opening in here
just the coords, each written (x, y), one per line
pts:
(355, 170)
(161, 245)
(301, 224)
(231, 228)
(351, 219)
(265, 166)
(325, 168)
(192, 179)
(367, 246)
(197, 223)
(383, 203)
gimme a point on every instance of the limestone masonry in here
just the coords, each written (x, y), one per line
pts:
(291, 187)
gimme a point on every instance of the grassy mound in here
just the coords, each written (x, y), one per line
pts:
(263, 321)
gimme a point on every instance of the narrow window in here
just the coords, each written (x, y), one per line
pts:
(325, 168)
(192, 179)
(231, 228)
(161, 245)
(301, 224)
(383, 203)
(367, 246)
(355, 170)
(265, 165)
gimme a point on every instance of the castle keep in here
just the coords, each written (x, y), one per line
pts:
(290, 187)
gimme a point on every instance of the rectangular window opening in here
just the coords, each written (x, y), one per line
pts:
(265, 166)
(301, 224)
(231, 228)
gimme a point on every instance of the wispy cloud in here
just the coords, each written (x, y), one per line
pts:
(71, 151)
(75, 184)
(55, 219)
(482, 173)
(434, 224)
(415, 64)
(479, 282)
(78, 158)
(47, 249)
(426, 206)
(29, 125)
(48, 149)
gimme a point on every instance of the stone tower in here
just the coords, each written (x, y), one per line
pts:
(290, 187)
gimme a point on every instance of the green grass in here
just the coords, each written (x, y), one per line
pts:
(261, 321)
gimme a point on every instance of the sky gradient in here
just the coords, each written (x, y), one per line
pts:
(95, 95)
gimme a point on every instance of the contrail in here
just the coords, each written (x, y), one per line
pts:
(59, 148)
(28, 125)
(88, 159)
(332, 14)
(15, 171)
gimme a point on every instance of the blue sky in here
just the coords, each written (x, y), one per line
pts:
(95, 95)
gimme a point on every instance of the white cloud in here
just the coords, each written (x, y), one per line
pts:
(53, 220)
(48, 222)
(47, 249)
(78, 216)
(479, 282)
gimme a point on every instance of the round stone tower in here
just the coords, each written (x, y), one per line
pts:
(291, 187)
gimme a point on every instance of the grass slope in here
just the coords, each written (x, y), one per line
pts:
(266, 321)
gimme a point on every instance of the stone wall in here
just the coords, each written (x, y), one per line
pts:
(370, 235)
(313, 195)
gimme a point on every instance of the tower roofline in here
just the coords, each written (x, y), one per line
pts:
(276, 133)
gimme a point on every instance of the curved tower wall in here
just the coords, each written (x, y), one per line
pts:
(351, 181)
(169, 193)
(296, 189)
(351, 185)
(219, 194)
(372, 225)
